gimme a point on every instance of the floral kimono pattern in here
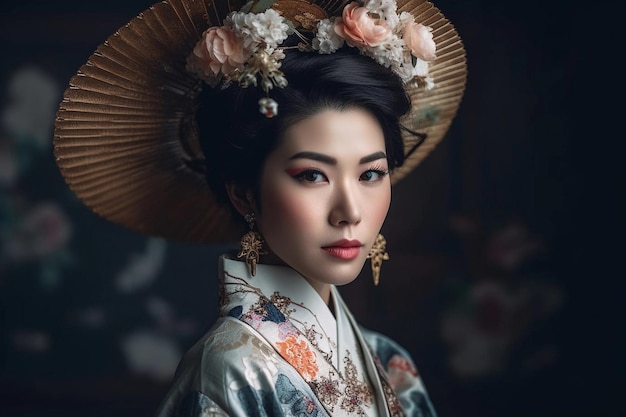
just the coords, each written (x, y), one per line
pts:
(277, 350)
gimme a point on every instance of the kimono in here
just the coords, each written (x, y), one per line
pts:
(277, 349)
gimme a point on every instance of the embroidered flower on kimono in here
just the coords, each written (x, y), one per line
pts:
(357, 392)
(298, 354)
(286, 329)
(252, 319)
(299, 403)
(327, 390)
(401, 372)
(281, 302)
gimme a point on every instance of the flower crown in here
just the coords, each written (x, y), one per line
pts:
(247, 49)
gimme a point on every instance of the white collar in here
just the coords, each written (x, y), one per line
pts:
(307, 309)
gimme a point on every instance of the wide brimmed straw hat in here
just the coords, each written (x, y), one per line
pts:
(124, 131)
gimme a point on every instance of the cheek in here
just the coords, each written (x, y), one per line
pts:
(378, 205)
(285, 208)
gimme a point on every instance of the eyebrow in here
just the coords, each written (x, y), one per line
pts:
(332, 161)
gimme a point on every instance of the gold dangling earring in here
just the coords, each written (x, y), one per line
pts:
(378, 254)
(251, 246)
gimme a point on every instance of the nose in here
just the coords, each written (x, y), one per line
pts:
(345, 209)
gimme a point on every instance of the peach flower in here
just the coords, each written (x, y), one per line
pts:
(219, 51)
(358, 28)
(419, 39)
(298, 354)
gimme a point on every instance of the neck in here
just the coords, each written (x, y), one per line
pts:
(322, 289)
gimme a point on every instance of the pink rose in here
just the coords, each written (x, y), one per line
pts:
(419, 39)
(43, 231)
(359, 29)
(219, 50)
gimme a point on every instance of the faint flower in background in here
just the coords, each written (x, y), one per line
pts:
(41, 232)
(496, 301)
(166, 319)
(32, 341)
(143, 268)
(480, 334)
(33, 97)
(151, 355)
(37, 237)
(31, 230)
(8, 164)
(93, 317)
(511, 246)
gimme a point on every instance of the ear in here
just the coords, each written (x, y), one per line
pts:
(242, 198)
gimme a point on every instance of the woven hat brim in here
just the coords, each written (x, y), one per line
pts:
(122, 135)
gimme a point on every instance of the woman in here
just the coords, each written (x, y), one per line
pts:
(310, 108)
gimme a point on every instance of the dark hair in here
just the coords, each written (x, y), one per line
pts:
(236, 138)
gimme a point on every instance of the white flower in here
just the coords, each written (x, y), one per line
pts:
(326, 40)
(280, 80)
(389, 54)
(271, 27)
(386, 9)
(406, 72)
(257, 29)
(429, 83)
(420, 68)
(404, 19)
(375, 28)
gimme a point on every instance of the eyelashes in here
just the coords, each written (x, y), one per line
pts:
(372, 175)
(311, 175)
(314, 175)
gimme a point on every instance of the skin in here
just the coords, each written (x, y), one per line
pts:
(326, 181)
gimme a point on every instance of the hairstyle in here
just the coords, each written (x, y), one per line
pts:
(237, 146)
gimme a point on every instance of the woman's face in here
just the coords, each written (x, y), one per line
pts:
(325, 192)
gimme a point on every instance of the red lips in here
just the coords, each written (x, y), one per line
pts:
(344, 249)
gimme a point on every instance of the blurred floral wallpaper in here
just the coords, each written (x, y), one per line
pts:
(488, 285)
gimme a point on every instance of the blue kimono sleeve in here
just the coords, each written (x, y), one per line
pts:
(401, 373)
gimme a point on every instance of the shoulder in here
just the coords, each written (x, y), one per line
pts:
(401, 372)
(223, 353)
(237, 370)
(383, 346)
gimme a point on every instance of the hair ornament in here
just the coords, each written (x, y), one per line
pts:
(247, 49)
(126, 135)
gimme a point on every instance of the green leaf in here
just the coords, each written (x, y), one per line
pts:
(262, 5)
(246, 7)
(292, 28)
(427, 117)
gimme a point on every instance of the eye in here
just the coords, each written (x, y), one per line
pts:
(372, 175)
(311, 175)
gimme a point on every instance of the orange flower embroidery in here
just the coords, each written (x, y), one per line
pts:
(299, 356)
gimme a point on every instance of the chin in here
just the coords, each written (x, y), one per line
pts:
(345, 274)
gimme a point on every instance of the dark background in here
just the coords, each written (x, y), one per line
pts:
(505, 280)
